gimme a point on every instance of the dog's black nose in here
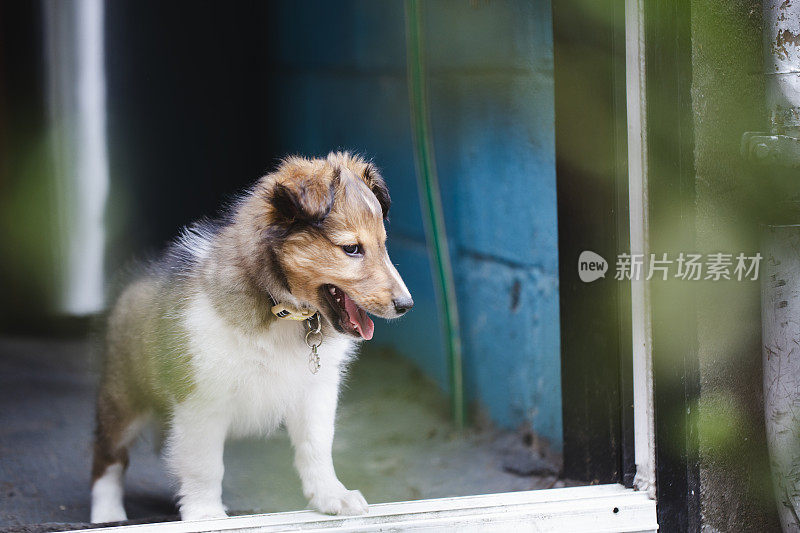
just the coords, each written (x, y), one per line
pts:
(401, 305)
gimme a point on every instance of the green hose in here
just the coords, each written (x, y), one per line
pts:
(432, 206)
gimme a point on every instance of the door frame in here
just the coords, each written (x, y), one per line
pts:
(671, 229)
(592, 49)
(644, 203)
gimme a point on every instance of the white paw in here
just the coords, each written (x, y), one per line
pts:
(340, 502)
(109, 511)
(107, 496)
(202, 512)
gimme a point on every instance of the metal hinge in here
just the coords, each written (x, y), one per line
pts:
(767, 149)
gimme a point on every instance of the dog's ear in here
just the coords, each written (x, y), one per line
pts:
(378, 187)
(302, 200)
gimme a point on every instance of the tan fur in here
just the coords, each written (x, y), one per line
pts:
(309, 258)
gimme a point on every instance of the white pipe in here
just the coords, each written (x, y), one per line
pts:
(780, 282)
(780, 312)
(76, 91)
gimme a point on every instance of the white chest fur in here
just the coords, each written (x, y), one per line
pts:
(251, 380)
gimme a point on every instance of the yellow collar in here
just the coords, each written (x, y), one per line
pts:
(287, 312)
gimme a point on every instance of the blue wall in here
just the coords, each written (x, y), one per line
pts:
(340, 76)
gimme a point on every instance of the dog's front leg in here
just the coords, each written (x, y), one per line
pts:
(310, 427)
(195, 446)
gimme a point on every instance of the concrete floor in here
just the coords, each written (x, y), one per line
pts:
(393, 442)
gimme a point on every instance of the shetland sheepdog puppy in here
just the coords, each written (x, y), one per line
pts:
(246, 323)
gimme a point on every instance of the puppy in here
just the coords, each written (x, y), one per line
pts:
(245, 324)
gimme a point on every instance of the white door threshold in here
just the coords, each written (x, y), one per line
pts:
(596, 509)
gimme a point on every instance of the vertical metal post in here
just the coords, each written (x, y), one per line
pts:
(780, 319)
(780, 285)
(641, 328)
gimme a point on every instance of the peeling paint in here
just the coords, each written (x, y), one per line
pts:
(785, 37)
(782, 64)
(785, 118)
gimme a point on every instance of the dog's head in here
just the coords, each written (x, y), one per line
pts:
(325, 221)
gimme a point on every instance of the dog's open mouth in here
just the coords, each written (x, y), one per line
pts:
(352, 319)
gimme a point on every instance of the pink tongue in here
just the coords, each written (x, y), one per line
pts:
(359, 319)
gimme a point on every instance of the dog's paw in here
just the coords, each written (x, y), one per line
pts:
(202, 512)
(105, 512)
(340, 502)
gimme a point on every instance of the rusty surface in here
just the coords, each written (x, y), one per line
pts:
(785, 38)
(785, 118)
(782, 65)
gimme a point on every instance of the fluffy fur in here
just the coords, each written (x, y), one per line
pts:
(192, 341)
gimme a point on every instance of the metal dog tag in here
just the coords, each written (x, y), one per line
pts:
(313, 360)
(314, 329)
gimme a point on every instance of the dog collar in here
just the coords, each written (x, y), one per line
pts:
(287, 312)
(314, 336)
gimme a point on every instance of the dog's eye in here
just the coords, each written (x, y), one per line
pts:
(353, 250)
